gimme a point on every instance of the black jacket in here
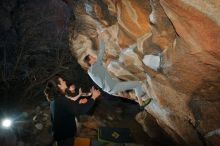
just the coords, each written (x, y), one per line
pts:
(63, 112)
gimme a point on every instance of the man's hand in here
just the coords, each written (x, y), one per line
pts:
(80, 91)
(133, 46)
(100, 29)
(83, 101)
(95, 93)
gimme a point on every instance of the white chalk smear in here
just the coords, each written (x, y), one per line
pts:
(152, 61)
(214, 132)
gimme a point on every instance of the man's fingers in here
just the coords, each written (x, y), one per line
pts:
(91, 90)
(80, 90)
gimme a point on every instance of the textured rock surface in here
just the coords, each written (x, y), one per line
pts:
(184, 34)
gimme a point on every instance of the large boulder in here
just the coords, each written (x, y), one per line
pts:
(172, 46)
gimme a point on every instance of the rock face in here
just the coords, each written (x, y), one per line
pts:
(182, 35)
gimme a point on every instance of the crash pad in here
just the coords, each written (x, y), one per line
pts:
(115, 135)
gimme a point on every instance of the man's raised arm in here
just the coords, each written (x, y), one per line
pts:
(101, 50)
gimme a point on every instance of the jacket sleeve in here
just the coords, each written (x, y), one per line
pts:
(74, 98)
(78, 109)
(101, 50)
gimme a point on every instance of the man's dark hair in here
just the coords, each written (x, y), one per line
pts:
(69, 93)
(52, 91)
(86, 59)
